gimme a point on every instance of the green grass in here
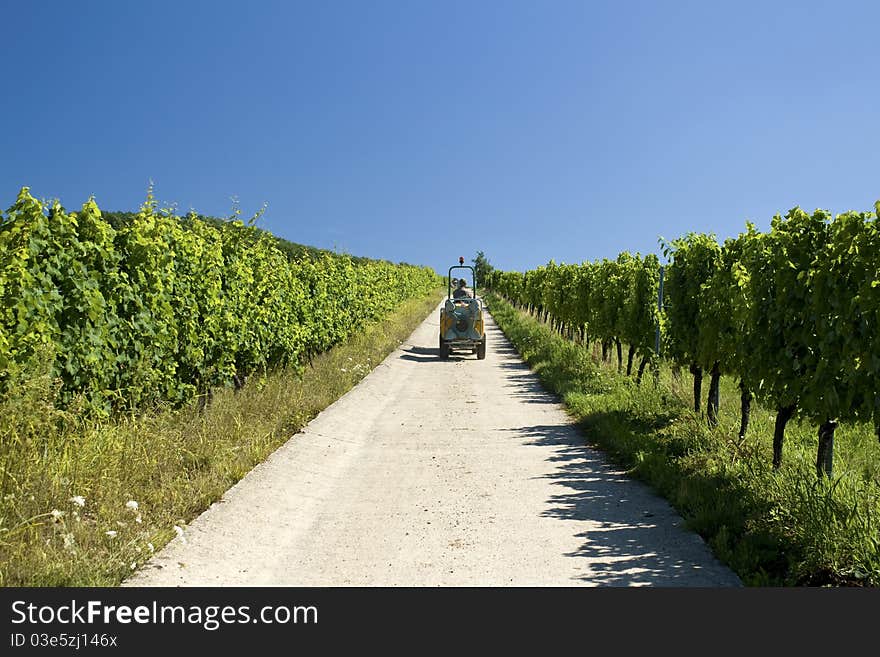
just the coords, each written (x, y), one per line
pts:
(172, 463)
(774, 528)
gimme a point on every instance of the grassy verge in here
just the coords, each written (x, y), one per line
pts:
(774, 528)
(84, 503)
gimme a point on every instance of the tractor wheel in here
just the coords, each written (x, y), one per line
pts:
(444, 349)
(481, 349)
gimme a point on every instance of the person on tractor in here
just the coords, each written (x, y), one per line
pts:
(462, 291)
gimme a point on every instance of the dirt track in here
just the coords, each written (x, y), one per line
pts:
(429, 472)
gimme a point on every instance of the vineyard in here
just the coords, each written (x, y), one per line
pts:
(163, 308)
(793, 314)
(149, 361)
(784, 323)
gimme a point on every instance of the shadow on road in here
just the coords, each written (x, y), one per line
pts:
(432, 355)
(505, 350)
(623, 541)
(526, 388)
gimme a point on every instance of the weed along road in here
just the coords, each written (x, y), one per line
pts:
(458, 472)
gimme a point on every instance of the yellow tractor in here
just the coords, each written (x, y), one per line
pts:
(461, 317)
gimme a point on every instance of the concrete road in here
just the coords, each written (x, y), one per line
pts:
(438, 473)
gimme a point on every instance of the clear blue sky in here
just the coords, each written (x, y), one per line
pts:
(420, 131)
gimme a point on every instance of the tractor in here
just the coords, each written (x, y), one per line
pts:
(461, 317)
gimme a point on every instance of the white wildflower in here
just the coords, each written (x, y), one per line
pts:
(133, 565)
(151, 548)
(69, 542)
(111, 533)
(179, 531)
(132, 505)
(139, 519)
(57, 515)
(79, 500)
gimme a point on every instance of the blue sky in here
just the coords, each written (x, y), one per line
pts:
(420, 131)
